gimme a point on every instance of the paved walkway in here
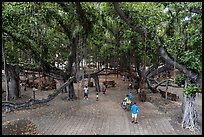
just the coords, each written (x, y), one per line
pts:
(91, 117)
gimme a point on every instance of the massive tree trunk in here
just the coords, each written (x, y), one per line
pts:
(45, 66)
(189, 113)
(95, 76)
(15, 87)
(71, 60)
(5, 72)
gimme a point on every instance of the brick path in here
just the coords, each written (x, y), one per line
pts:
(91, 117)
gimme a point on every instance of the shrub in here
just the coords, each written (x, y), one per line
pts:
(180, 79)
(191, 89)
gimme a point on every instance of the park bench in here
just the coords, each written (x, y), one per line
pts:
(170, 96)
(107, 83)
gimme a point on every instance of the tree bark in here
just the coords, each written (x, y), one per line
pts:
(89, 80)
(15, 87)
(98, 89)
(5, 72)
(190, 114)
(44, 64)
(71, 60)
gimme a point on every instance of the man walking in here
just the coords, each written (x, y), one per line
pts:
(134, 109)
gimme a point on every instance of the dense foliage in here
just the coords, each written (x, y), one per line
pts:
(41, 32)
(191, 89)
(180, 79)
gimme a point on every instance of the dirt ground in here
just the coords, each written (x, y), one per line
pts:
(19, 127)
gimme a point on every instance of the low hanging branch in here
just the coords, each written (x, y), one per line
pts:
(167, 58)
(12, 106)
(98, 72)
(192, 75)
(94, 75)
(156, 71)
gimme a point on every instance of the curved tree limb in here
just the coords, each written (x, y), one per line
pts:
(159, 70)
(123, 16)
(192, 75)
(12, 106)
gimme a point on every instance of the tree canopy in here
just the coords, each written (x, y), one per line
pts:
(40, 33)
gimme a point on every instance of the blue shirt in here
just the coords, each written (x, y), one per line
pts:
(130, 96)
(134, 109)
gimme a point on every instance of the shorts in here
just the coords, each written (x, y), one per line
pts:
(134, 115)
(85, 94)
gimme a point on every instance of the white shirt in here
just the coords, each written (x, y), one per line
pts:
(86, 90)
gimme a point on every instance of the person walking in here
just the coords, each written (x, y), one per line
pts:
(86, 92)
(104, 89)
(134, 110)
(130, 86)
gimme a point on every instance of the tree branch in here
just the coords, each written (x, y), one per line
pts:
(123, 16)
(61, 22)
(190, 74)
(87, 24)
(23, 41)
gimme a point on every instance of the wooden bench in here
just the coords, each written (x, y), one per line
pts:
(107, 83)
(170, 96)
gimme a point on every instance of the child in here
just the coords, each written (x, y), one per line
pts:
(86, 92)
(104, 89)
(130, 96)
(96, 96)
(130, 86)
